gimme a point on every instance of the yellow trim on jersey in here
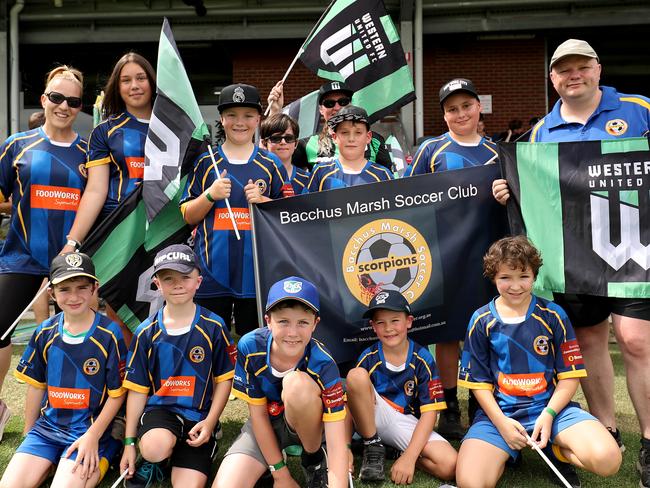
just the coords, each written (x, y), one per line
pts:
(371, 353)
(264, 168)
(207, 337)
(490, 324)
(317, 378)
(130, 385)
(119, 172)
(98, 344)
(432, 407)
(113, 129)
(205, 238)
(327, 175)
(117, 393)
(491, 149)
(432, 161)
(36, 134)
(539, 319)
(218, 324)
(261, 370)
(225, 377)
(425, 364)
(578, 373)
(334, 417)
(373, 175)
(247, 399)
(137, 340)
(420, 151)
(320, 346)
(638, 101)
(80, 147)
(557, 316)
(374, 368)
(533, 134)
(29, 380)
(117, 348)
(21, 220)
(98, 162)
(472, 385)
(471, 329)
(47, 346)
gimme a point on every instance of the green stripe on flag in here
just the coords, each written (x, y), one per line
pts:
(330, 75)
(167, 222)
(389, 28)
(338, 6)
(307, 114)
(628, 289)
(385, 91)
(631, 197)
(624, 145)
(541, 208)
(128, 317)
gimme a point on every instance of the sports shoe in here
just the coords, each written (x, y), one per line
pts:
(643, 465)
(145, 475)
(449, 425)
(372, 466)
(316, 474)
(616, 434)
(5, 415)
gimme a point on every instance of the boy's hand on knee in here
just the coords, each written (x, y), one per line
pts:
(87, 447)
(128, 461)
(513, 433)
(542, 430)
(402, 470)
(200, 433)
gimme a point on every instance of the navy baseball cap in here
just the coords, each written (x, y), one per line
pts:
(293, 288)
(178, 257)
(239, 95)
(70, 265)
(334, 86)
(349, 113)
(388, 300)
(455, 86)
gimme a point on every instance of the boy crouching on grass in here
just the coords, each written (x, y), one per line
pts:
(179, 373)
(523, 362)
(73, 366)
(294, 392)
(394, 394)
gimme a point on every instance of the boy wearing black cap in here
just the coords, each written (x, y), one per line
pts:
(351, 132)
(77, 357)
(294, 393)
(248, 174)
(179, 373)
(461, 147)
(394, 394)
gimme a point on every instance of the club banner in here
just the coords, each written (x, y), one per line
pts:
(585, 206)
(424, 236)
(357, 42)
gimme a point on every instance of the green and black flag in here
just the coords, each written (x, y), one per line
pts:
(357, 42)
(585, 205)
(123, 246)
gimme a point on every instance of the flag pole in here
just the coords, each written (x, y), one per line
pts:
(216, 170)
(13, 326)
(295, 59)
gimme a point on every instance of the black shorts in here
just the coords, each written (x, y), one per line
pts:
(589, 310)
(242, 310)
(183, 455)
(16, 290)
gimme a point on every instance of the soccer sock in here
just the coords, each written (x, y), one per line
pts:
(451, 394)
(311, 458)
(371, 440)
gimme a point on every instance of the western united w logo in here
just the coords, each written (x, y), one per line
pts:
(630, 246)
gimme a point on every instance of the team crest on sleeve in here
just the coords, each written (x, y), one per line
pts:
(197, 354)
(238, 95)
(540, 344)
(261, 184)
(91, 366)
(292, 286)
(616, 127)
(74, 260)
(409, 388)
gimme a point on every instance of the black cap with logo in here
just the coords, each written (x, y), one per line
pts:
(387, 300)
(70, 265)
(334, 86)
(178, 257)
(349, 113)
(457, 85)
(239, 95)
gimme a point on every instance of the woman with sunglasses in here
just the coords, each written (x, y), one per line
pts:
(320, 148)
(116, 146)
(278, 134)
(43, 171)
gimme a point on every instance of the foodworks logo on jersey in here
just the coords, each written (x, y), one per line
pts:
(69, 398)
(55, 197)
(386, 254)
(177, 386)
(529, 384)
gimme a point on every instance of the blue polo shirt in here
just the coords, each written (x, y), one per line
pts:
(618, 116)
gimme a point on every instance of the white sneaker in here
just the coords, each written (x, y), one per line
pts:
(5, 415)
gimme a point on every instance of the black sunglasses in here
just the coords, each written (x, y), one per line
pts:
(330, 102)
(288, 138)
(59, 98)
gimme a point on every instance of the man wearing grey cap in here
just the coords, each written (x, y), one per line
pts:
(587, 111)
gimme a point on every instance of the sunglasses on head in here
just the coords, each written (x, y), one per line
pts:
(330, 102)
(288, 138)
(58, 98)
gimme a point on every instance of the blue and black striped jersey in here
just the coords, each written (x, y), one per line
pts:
(119, 142)
(414, 388)
(299, 178)
(256, 384)
(78, 378)
(45, 181)
(226, 263)
(443, 153)
(178, 371)
(329, 176)
(522, 362)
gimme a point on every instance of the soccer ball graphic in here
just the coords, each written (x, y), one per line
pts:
(391, 262)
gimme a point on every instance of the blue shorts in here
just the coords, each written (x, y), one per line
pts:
(46, 442)
(485, 430)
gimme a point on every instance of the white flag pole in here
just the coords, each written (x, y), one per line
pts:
(216, 170)
(535, 447)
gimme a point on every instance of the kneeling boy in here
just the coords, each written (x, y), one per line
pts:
(179, 374)
(394, 394)
(77, 358)
(523, 362)
(294, 392)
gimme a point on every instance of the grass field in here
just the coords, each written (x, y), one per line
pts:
(532, 473)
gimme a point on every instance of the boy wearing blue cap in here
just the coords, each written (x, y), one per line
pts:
(394, 394)
(179, 373)
(294, 392)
